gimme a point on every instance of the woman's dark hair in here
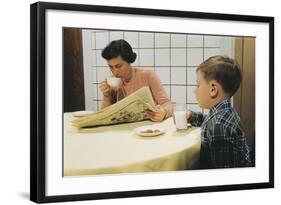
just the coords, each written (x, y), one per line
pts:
(224, 70)
(119, 48)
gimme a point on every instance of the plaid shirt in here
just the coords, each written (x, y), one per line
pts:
(223, 139)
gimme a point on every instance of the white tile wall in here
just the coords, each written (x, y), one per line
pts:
(178, 94)
(132, 38)
(174, 57)
(94, 58)
(164, 74)
(191, 94)
(194, 41)
(162, 40)
(146, 40)
(95, 91)
(191, 75)
(178, 75)
(99, 60)
(117, 35)
(208, 52)
(94, 76)
(94, 105)
(162, 57)
(178, 56)
(146, 57)
(212, 41)
(178, 40)
(102, 73)
(102, 39)
(194, 56)
(93, 40)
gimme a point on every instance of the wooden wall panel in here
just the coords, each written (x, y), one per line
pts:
(73, 82)
(244, 100)
(239, 58)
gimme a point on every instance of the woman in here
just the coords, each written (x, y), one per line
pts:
(119, 56)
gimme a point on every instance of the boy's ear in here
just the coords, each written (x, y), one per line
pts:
(213, 89)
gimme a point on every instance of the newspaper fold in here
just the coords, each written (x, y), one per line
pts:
(130, 109)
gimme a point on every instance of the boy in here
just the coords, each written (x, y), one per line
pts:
(223, 139)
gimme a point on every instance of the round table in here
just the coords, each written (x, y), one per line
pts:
(117, 149)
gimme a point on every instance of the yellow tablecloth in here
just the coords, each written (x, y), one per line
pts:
(117, 149)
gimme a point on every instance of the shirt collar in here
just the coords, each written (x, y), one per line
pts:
(226, 104)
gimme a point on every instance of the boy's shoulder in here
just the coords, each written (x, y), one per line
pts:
(227, 117)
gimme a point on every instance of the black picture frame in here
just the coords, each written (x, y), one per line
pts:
(38, 87)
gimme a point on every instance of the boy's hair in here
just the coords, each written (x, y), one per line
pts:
(224, 70)
(119, 48)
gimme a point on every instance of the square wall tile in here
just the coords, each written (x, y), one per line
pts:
(162, 57)
(89, 92)
(191, 95)
(162, 40)
(132, 38)
(178, 57)
(194, 41)
(94, 75)
(212, 41)
(178, 40)
(95, 106)
(94, 91)
(100, 95)
(91, 106)
(164, 74)
(93, 40)
(191, 75)
(116, 35)
(94, 58)
(146, 40)
(208, 52)
(102, 39)
(178, 75)
(146, 57)
(102, 73)
(194, 107)
(178, 94)
(100, 60)
(194, 56)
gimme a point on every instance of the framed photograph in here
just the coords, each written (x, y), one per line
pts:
(91, 141)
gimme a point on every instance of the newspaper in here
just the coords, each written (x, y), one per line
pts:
(130, 109)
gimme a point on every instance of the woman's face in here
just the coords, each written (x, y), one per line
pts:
(119, 67)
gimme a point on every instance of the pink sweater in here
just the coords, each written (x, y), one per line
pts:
(141, 78)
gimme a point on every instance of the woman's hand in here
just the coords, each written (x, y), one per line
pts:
(158, 114)
(105, 88)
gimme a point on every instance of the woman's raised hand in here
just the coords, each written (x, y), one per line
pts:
(105, 88)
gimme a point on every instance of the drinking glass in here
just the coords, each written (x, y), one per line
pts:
(180, 116)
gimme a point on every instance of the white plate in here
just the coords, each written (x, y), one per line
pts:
(149, 131)
(82, 113)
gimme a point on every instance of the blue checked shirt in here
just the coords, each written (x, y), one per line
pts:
(223, 139)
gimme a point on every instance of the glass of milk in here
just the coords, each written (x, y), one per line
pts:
(180, 116)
